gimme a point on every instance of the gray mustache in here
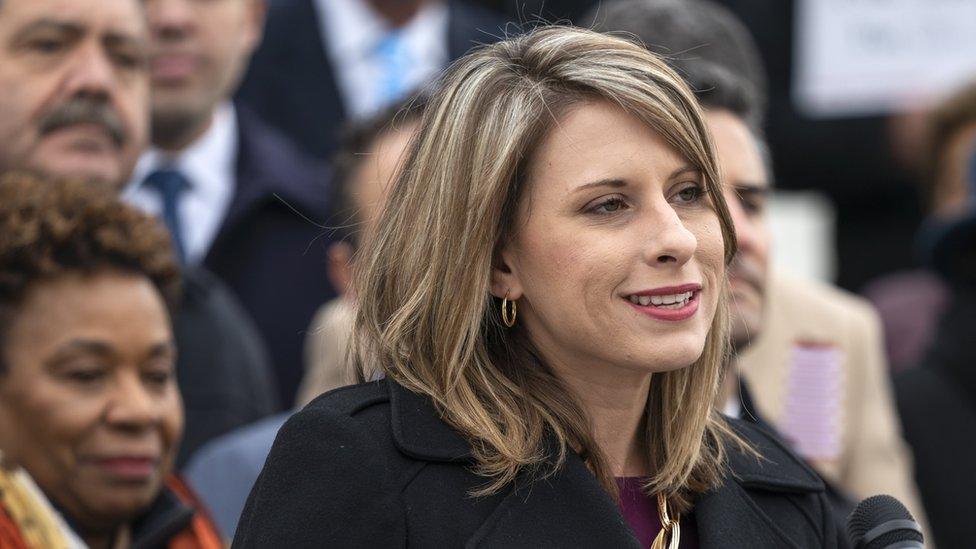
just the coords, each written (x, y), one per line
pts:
(81, 110)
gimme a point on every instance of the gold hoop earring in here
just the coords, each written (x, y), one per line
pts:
(509, 313)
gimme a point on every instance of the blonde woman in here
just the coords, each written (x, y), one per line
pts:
(545, 297)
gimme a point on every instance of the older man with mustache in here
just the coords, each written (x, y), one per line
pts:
(74, 89)
(75, 99)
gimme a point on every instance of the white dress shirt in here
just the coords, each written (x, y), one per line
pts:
(352, 33)
(210, 165)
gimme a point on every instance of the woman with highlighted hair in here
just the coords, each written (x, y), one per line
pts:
(542, 310)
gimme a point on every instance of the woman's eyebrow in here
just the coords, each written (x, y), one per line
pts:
(613, 183)
(80, 346)
(684, 170)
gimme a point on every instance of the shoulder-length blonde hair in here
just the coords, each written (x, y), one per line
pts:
(426, 317)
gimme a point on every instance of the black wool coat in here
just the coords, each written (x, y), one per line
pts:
(374, 466)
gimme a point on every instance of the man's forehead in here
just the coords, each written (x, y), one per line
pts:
(117, 17)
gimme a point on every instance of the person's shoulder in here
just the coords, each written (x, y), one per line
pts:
(336, 457)
(818, 300)
(244, 447)
(347, 428)
(353, 406)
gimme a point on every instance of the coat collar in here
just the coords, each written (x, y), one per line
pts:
(419, 431)
(727, 517)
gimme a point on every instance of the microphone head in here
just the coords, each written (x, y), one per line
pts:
(881, 521)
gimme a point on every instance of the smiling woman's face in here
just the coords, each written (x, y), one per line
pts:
(88, 403)
(617, 260)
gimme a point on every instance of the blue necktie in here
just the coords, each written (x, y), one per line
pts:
(170, 184)
(395, 57)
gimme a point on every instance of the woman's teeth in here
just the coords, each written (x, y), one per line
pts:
(674, 301)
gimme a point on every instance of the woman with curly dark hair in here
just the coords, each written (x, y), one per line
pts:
(90, 413)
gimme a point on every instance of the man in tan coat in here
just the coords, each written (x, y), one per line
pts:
(817, 372)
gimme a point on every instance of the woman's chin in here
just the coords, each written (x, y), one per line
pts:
(120, 503)
(672, 357)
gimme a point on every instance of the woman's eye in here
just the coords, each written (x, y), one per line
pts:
(85, 376)
(609, 205)
(157, 378)
(690, 194)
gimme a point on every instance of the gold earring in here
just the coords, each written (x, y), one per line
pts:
(508, 315)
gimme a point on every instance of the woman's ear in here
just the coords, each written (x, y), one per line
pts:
(339, 267)
(505, 280)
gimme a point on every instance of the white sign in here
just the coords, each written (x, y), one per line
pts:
(866, 57)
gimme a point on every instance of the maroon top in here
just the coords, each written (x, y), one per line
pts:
(640, 511)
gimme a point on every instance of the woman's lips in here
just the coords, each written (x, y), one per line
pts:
(667, 314)
(132, 468)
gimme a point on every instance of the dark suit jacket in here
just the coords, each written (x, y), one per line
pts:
(271, 247)
(290, 81)
(937, 402)
(374, 466)
(222, 367)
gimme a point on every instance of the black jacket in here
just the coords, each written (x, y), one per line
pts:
(222, 366)
(374, 466)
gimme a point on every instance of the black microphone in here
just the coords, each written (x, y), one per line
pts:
(882, 522)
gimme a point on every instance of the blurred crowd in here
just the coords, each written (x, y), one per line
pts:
(184, 185)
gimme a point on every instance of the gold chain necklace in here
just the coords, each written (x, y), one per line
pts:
(670, 527)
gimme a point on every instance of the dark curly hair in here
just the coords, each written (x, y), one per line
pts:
(50, 227)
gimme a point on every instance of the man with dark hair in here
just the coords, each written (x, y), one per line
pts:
(239, 199)
(75, 75)
(796, 341)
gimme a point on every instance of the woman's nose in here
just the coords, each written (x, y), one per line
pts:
(670, 242)
(131, 405)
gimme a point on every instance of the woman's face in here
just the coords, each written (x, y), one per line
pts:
(617, 257)
(89, 404)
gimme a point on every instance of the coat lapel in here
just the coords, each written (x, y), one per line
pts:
(570, 502)
(729, 517)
